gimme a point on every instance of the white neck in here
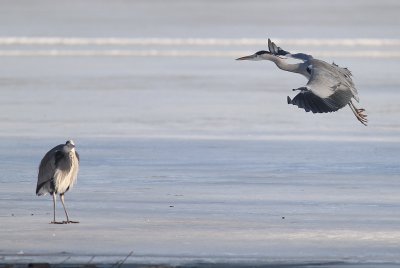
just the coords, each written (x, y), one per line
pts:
(283, 65)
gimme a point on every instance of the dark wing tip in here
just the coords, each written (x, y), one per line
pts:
(310, 102)
(271, 47)
(39, 187)
(275, 50)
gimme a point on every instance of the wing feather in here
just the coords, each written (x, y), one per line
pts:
(311, 102)
(47, 168)
(327, 89)
(277, 51)
(328, 78)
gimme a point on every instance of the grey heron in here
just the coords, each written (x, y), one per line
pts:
(329, 86)
(58, 172)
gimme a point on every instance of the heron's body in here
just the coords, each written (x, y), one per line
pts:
(58, 172)
(329, 86)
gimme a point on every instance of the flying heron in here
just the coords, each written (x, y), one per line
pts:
(329, 86)
(58, 172)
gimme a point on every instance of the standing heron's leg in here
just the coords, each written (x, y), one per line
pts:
(62, 201)
(54, 210)
(66, 214)
(54, 207)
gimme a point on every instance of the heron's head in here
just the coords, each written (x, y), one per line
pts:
(69, 145)
(256, 56)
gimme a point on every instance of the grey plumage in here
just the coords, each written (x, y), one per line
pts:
(58, 172)
(329, 86)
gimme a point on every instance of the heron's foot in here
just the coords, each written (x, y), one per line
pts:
(57, 222)
(361, 116)
(68, 222)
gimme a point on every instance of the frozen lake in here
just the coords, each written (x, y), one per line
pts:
(187, 155)
(211, 199)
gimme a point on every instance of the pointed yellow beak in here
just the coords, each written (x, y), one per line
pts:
(247, 57)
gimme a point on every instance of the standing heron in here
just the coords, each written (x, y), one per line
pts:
(329, 86)
(58, 172)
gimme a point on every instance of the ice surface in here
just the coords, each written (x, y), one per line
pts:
(199, 158)
(216, 199)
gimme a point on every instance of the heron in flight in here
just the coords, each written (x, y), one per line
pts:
(58, 172)
(329, 86)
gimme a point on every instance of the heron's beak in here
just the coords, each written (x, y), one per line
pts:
(251, 57)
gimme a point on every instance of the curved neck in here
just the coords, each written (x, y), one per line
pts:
(282, 64)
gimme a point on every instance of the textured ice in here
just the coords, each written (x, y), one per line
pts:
(198, 158)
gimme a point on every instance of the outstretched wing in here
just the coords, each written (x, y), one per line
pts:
(309, 101)
(325, 92)
(47, 167)
(277, 51)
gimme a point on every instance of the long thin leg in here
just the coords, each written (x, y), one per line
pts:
(62, 201)
(54, 207)
(359, 113)
(54, 210)
(66, 214)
